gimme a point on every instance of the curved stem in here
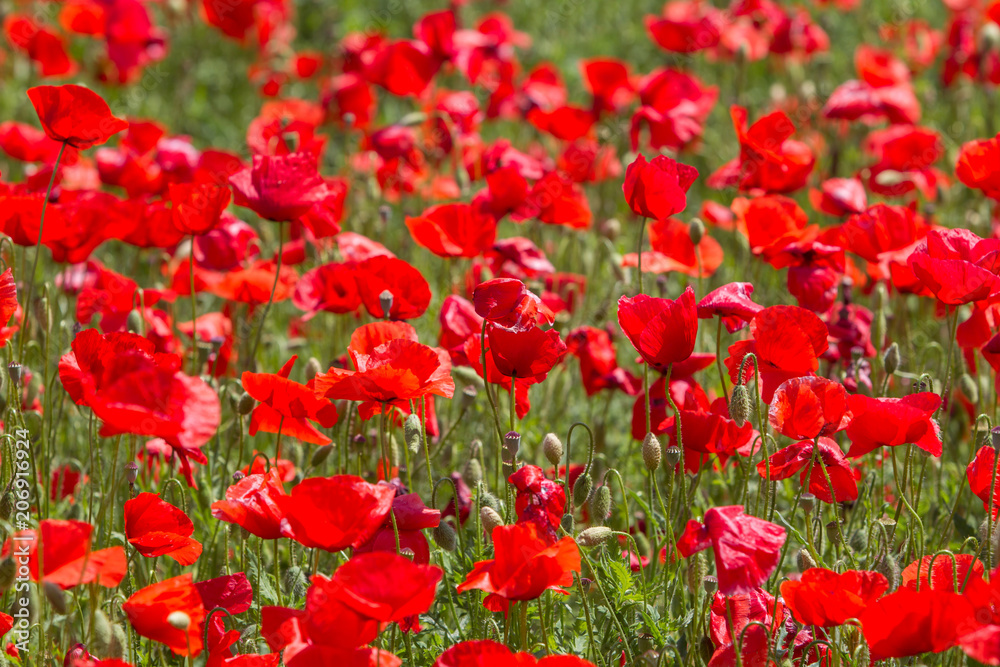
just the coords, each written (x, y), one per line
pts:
(274, 287)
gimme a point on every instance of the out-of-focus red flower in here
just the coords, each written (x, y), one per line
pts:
(675, 107)
(40, 43)
(746, 548)
(507, 303)
(157, 528)
(404, 67)
(840, 197)
(890, 422)
(66, 559)
(330, 287)
(757, 618)
(979, 473)
(525, 565)
(280, 188)
(253, 503)
(673, 250)
(149, 608)
(908, 622)
(796, 457)
(488, 653)
(386, 587)
(906, 155)
(657, 189)
(941, 576)
(288, 407)
(599, 362)
(733, 302)
(826, 599)
(662, 331)
(410, 292)
(333, 513)
(75, 115)
(976, 166)
(196, 208)
(686, 27)
(27, 144)
(453, 230)
(807, 407)
(556, 200)
(957, 266)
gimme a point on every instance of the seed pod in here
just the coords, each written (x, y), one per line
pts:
(491, 519)
(697, 568)
(710, 585)
(807, 502)
(321, 454)
(463, 375)
(412, 431)
(969, 387)
(468, 397)
(582, 488)
(594, 536)
(651, 452)
(696, 230)
(511, 446)
(246, 404)
(600, 504)
(8, 569)
(118, 642)
(672, 456)
(385, 301)
(833, 532)
(444, 536)
(890, 360)
(552, 447)
(56, 597)
(739, 405)
(313, 368)
(804, 560)
(131, 472)
(610, 229)
(472, 474)
(14, 372)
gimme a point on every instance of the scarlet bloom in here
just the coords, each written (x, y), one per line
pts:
(507, 303)
(941, 573)
(657, 189)
(488, 653)
(386, 586)
(66, 558)
(528, 354)
(980, 474)
(827, 599)
(524, 566)
(599, 367)
(329, 287)
(673, 250)
(746, 548)
(196, 208)
(157, 528)
(686, 27)
(410, 292)
(288, 407)
(539, 500)
(75, 115)
(794, 458)
(280, 188)
(662, 331)
(149, 608)
(411, 518)
(976, 166)
(253, 504)
(808, 407)
(334, 513)
(453, 230)
(890, 422)
(957, 266)
(733, 302)
(908, 622)
(8, 305)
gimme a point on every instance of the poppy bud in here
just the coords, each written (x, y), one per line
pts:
(567, 523)
(890, 360)
(697, 568)
(594, 536)
(246, 404)
(385, 302)
(444, 536)
(320, 455)
(804, 560)
(582, 488)
(858, 540)
(467, 376)
(696, 230)
(807, 502)
(834, 533)
(102, 636)
(651, 452)
(552, 447)
(134, 322)
(490, 518)
(7, 506)
(8, 569)
(313, 368)
(710, 585)
(384, 211)
(600, 503)
(42, 313)
(54, 594)
(472, 474)
(739, 405)
(969, 387)
(131, 472)
(610, 229)
(489, 500)
(672, 456)
(889, 568)
(411, 433)
(179, 620)
(14, 372)
(707, 649)
(989, 38)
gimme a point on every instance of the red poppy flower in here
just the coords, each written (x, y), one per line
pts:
(840, 197)
(979, 472)
(474, 354)
(329, 287)
(556, 200)
(507, 303)
(794, 458)
(403, 67)
(657, 189)
(281, 188)
(254, 504)
(252, 285)
(673, 250)
(957, 266)
(539, 500)
(807, 407)
(746, 548)
(74, 115)
(525, 565)
(788, 342)
(66, 558)
(157, 528)
(675, 107)
(288, 407)
(921, 575)
(599, 367)
(412, 517)
(149, 608)
(410, 292)
(488, 653)
(890, 422)
(976, 166)
(453, 230)
(528, 354)
(826, 599)
(732, 302)
(27, 144)
(44, 46)
(386, 586)
(196, 208)
(662, 331)
(334, 513)
(908, 623)
(686, 27)
(8, 305)
(754, 619)
(906, 155)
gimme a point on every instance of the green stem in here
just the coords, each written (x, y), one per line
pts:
(270, 300)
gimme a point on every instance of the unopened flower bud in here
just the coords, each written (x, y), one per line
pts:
(412, 431)
(600, 503)
(610, 229)
(56, 597)
(697, 568)
(179, 620)
(8, 570)
(313, 368)
(134, 321)
(7, 506)
(989, 38)
(246, 404)
(804, 560)
(594, 536)
(739, 404)
(582, 488)
(567, 523)
(696, 230)
(385, 301)
(444, 536)
(858, 540)
(889, 568)
(890, 360)
(321, 454)
(552, 447)
(472, 474)
(490, 518)
(489, 500)
(833, 532)
(969, 388)
(651, 452)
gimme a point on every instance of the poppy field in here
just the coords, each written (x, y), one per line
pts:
(499, 334)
